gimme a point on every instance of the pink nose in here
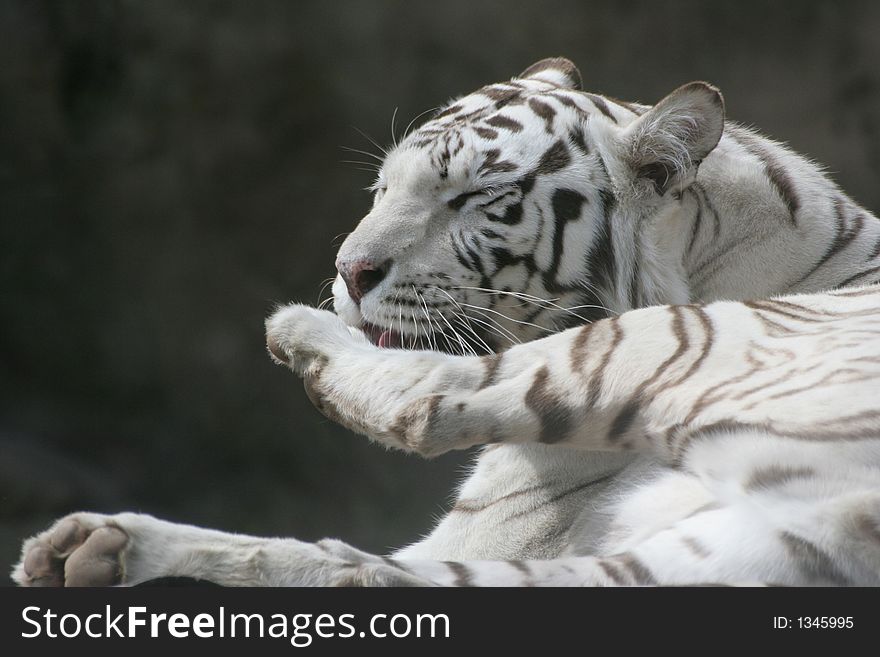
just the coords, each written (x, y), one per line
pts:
(361, 276)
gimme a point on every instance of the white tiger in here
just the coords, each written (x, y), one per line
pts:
(654, 426)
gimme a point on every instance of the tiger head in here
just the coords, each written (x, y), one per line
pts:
(521, 209)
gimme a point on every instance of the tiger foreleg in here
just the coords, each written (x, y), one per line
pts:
(86, 549)
(578, 388)
(89, 549)
(650, 380)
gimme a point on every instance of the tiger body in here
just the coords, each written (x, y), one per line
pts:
(664, 327)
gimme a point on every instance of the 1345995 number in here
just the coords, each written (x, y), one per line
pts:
(824, 622)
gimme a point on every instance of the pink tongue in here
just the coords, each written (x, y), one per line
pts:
(389, 339)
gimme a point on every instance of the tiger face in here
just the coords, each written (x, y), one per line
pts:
(511, 213)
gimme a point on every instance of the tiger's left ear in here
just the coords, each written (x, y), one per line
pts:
(556, 70)
(666, 144)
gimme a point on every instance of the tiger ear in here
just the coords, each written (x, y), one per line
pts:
(555, 70)
(667, 143)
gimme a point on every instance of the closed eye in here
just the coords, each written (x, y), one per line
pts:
(495, 191)
(458, 202)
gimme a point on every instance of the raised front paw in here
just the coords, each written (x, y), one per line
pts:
(303, 337)
(82, 549)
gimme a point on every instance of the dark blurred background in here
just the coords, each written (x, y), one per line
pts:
(169, 170)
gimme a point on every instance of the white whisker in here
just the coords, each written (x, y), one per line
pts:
(363, 166)
(538, 301)
(494, 327)
(363, 134)
(511, 337)
(431, 339)
(457, 336)
(416, 329)
(464, 315)
(393, 136)
(360, 152)
(463, 320)
(416, 118)
(324, 284)
(509, 319)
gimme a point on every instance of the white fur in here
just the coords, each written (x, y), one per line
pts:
(714, 225)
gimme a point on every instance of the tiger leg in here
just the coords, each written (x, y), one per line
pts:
(650, 380)
(765, 530)
(86, 549)
(584, 388)
(430, 403)
(127, 549)
(89, 549)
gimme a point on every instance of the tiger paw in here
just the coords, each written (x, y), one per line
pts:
(302, 337)
(82, 549)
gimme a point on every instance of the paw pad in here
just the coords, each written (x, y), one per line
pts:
(70, 554)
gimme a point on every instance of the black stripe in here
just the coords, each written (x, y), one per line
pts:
(698, 222)
(555, 417)
(562, 495)
(545, 111)
(492, 363)
(554, 159)
(459, 255)
(600, 260)
(601, 105)
(773, 476)
(638, 570)
(708, 342)
(596, 378)
(876, 251)
(497, 198)
(491, 164)
(610, 569)
(475, 258)
(486, 133)
(505, 122)
(815, 565)
(512, 213)
(459, 201)
(863, 274)
(463, 576)
(775, 171)
(506, 258)
(452, 109)
(524, 568)
(578, 139)
(623, 422)
(635, 295)
(567, 206)
(843, 236)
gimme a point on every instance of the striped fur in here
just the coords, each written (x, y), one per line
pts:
(662, 326)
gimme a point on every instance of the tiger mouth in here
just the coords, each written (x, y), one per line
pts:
(388, 338)
(384, 338)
